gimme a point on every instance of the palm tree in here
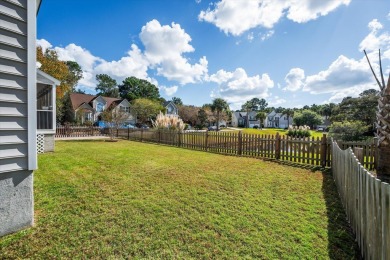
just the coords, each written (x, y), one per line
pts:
(383, 124)
(261, 116)
(289, 113)
(219, 105)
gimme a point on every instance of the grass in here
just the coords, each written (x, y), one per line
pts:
(273, 131)
(134, 200)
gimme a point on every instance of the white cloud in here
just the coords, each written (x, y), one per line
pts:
(237, 87)
(343, 73)
(237, 16)
(276, 101)
(250, 37)
(169, 91)
(135, 62)
(374, 40)
(267, 35)
(388, 16)
(164, 49)
(294, 79)
(44, 44)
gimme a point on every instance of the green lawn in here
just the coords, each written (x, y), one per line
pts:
(273, 131)
(96, 199)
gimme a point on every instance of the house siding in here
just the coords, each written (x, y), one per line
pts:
(17, 126)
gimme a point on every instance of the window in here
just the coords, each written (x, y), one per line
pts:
(44, 107)
(124, 109)
(99, 107)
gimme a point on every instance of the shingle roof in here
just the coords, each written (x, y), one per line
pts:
(78, 99)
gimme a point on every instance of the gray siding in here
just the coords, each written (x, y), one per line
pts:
(13, 86)
(16, 180)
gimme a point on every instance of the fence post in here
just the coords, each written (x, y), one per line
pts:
(128, 133)
(207, 140)
(142, 134)
(159, 136)
(323, 150)
(239, 152)
(277, 146)
(117, 130)
(359, 154)
(375, 153)
(179, 138)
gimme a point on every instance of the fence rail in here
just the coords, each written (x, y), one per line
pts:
(366, 201)
(79, 131)
(313, 151)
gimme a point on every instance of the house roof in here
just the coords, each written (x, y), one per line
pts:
(45, 78)
(78, 99)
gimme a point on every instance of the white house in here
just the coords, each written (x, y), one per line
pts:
(278, 120)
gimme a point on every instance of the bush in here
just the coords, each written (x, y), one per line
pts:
(299, 132)
(348, 130)
(255, 127)
(222, 126)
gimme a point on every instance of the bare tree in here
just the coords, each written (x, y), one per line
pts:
(114, 119)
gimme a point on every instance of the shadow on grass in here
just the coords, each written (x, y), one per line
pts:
(341, 240)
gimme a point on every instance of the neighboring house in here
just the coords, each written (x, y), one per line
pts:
(239, 119)
(89, 107)
(272, 120)
(171, 108)
(18, 116)
(46, 111)
(278, 120)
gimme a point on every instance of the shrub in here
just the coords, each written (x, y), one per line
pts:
(348, 130)
(171, 122)
(255, 127)
(298, 132)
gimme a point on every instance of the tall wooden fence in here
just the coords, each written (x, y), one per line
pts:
(366, 201)
(313, 151)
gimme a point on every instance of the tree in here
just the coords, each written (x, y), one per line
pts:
(114, 119)
(261, 116)
(189, 114)
(74, 75)
(219, 105)
(247, 107)
(383, 124)
(146, 109)
(289, 113)
(348, 130)
(133, 88)
(106, 86)
(177, 101)
(54, 67)
(67, 72)
(202, 117)
(307, 117)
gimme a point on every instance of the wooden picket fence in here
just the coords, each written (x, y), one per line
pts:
(79, 131)
(366, 201)
(313, 151)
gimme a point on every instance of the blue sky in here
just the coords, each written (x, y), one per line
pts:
(290, 52)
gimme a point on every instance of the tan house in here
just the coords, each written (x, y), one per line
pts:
(89, 107)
